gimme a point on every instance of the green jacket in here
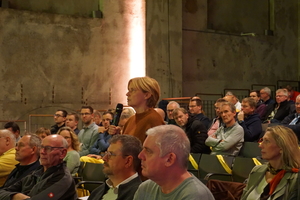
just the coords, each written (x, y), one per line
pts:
(286, 189)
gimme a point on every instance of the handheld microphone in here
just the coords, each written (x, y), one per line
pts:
(117, 115)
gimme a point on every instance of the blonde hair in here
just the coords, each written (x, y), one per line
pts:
(75, 142)
(286, 140)
(147, 85)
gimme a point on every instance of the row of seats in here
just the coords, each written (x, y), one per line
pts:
(224, 167)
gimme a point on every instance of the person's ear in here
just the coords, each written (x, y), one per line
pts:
(170, 159)
(129, 161)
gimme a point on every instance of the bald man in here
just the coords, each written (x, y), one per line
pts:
(52, 181)
(7, 154)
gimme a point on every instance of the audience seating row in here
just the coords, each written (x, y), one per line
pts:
(225, 167)
(90, 176)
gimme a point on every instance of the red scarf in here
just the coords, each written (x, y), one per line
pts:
(274, 182)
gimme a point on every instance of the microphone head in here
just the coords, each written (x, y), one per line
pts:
(119, 110)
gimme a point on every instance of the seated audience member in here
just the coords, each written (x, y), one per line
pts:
(52, 181)
(72, 158)
(7, 154)
(97, 118)
(27, 153)
(228, 139)
(194, 129)
(265, 96)
(143, 94)
(278, 111)
(292, 121)
(72, 122)
(172, 105)
(292, 93)
(42, 132)
(260, 106)
(163, 105)
(164, 161)
(249, 120)
(217, 121)
(60, 119)
(89, 134)
(125, 115)
(161, 112)
(279, 178)
(230, 97)
(102, 143)
(121, 165)
(14, 128)
(107, 117)
(195, 108)
(113, 130)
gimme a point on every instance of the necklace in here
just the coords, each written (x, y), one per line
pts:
(272, 170)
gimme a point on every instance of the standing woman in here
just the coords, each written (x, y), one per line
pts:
(143, 94)
(72, 158)
(278, 178)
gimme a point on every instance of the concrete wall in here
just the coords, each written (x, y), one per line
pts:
(214, 61)
(164, 45)
(51, 61)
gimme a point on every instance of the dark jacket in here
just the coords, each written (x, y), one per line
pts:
(252, 127)
(205, 120)
(197, 134)
(54, 129)
(283, 111)
(125, 192)
(261, 109)
(20, 172)
(296, 128)
(54, 184)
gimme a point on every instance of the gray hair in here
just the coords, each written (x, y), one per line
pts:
(35, 141)
(231, 106)
(174, 102)
(267, 90)
(298, 97)
(8, 133)
(172, 139)
(284, 91)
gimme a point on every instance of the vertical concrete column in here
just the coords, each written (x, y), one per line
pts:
(164, 45)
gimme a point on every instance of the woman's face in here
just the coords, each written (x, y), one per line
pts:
(66, 134)
(269, 149)
(136, 97)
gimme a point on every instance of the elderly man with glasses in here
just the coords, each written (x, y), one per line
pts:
(52, 181)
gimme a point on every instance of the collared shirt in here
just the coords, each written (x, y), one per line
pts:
(112, 193)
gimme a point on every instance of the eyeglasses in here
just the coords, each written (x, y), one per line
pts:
(280, 96)
(48, 149)
(262, 140)
(192, 106)
(132, 90)
(57, 115)
(170, 110)
(108, 154)
(82, 114)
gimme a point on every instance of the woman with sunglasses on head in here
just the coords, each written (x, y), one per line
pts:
(72, 158)
(278, 178)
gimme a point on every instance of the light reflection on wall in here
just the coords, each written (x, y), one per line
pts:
(137, 61)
